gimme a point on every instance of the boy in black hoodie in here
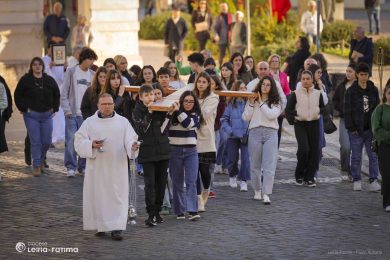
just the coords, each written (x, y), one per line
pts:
(154, 152)
(360, 101)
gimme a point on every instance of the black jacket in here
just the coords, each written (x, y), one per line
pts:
(89, 103)
(338, 99)
(353, 105)
(155, 145)
(365, 47)
(295, 63)
(8, 111)
(174, 34)
(39, 95)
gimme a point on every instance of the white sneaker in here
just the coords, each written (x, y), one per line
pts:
(266, 199)
(233, 182)
(243, 186)
(225, 171)
(218, 169)
(387, 209)
(70, 173)
(357, 185)
(374, 186)
(257, 195)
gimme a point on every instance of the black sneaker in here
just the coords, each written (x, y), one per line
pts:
(299, 182)
(150, 222)
(116, 235)
(311, 184)
(159, 219)
(180, 217)
(194, 216)
(100, 234)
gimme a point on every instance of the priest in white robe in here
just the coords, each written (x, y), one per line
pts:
(106, 139)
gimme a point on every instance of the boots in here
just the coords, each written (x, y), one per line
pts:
(205, 196)
(200, 204)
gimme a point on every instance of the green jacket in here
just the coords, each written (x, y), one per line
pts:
(186, 70)
(380, 123)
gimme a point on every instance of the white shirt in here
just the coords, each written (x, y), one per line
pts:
(309, 23)
(283, 100)
(82, 80)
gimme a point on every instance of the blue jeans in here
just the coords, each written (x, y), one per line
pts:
(183, 166)
(72, 124)
(221, 151)
(357, 142)
(233, 145)
(373, 13)
(345, 148)
(263, 154)
(39, 128)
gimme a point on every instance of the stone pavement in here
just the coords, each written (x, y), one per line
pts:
(325, 222)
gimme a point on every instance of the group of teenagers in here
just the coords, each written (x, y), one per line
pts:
(204, 133)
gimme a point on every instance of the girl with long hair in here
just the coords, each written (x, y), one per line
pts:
(174, 77)
(303, 110)
(184, 163)
(236, 129)
(146, 76)
(206, 136)
(262, 111)
(116, 89)
(250, 64)
(227, 75)
(91, 96)
(338, 104)
(240, 70)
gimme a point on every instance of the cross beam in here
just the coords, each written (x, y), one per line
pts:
(168, 101)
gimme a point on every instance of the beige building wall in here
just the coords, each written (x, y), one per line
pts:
(20, 36)
(115, 23)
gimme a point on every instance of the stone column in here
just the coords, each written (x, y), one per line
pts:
(21, 36)
(115, 23)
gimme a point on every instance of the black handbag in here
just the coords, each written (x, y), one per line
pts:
(329, 126)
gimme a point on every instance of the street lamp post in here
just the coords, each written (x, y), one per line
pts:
(248, 36)
(318, 38)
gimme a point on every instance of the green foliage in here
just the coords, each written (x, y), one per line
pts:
(383, 42)
(152, 27)
(269, 36)
(337, 51)
(334, 33)
(263, 52)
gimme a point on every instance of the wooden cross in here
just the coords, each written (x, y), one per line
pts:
(168, 101)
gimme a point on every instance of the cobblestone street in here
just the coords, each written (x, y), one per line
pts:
(330, 221)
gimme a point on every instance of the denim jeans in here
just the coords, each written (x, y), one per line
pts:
(357, 142)
(345, 148)
(233, 145)
(168, 193)
(373, 13)
(72, 124)
(212, 166)
(221, 151)
(183, 166)
(263, 154)
(39, 128)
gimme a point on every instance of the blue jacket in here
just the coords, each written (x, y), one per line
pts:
(231, 121)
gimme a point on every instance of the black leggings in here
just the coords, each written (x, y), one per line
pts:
(204, 173)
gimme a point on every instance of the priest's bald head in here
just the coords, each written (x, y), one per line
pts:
(106, 105)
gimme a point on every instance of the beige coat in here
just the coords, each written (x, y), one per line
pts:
(308, 104)
(206, 133)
